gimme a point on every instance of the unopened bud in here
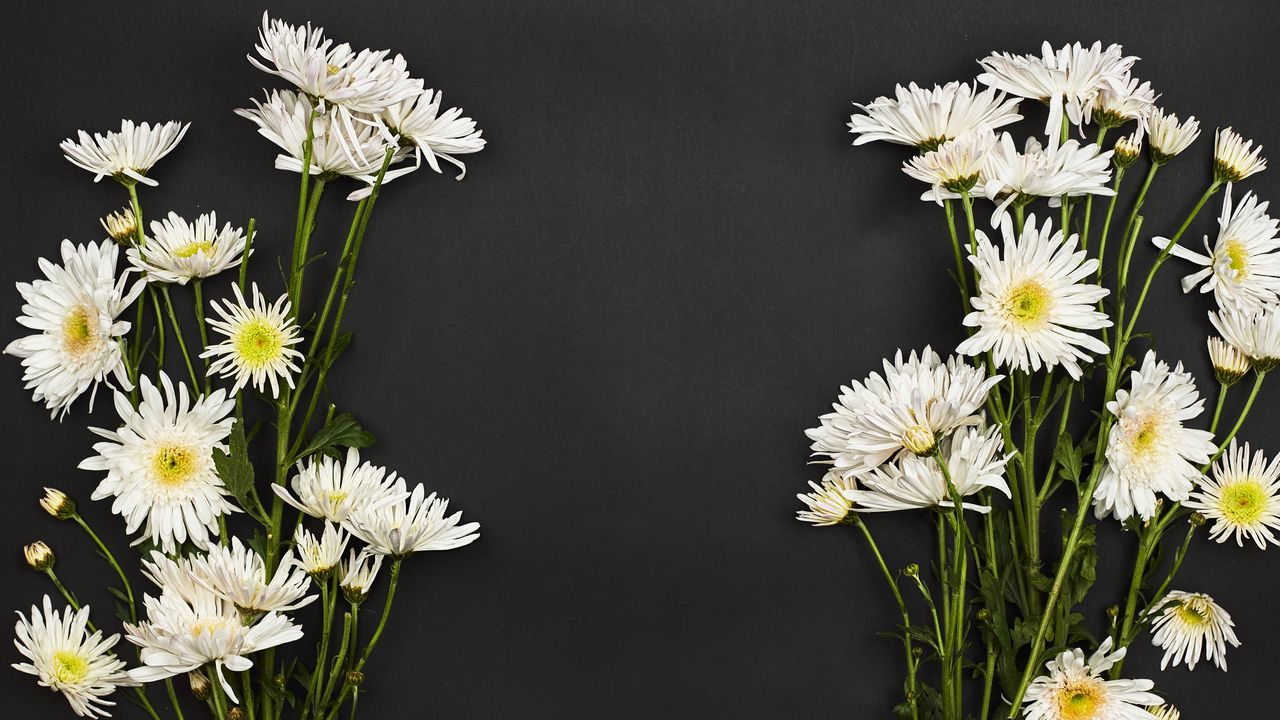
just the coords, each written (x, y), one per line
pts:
(57, 504)
(355, 678)
(917, 652)
(1229, 364)
(1113, 611)
(354, 594)
(1127, 150)
(919, 440)
(911, 570)
(199, 685)
(122, 226)
(1198, 519)
(983, 615)
(235, 713)
(39, 556)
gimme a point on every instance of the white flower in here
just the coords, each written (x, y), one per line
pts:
(1191, 623)
(178, 251)
(1149, 451)
(1242, 498)
(827, 504)
(1165, 712)
(1033, 302)
(1069, 169)
(159, 464)
(418, 122)
(319, 555)
(1242, 268)
(1229, 364)
(1256, 333)
(358, 572)
(1235, 158)
(916, 403)
(180, 636)
(339, 147)
(1127, 150)
(121, 226)
(1074, 689)
(953, 168)
(416, 524)
(68, 659)
(1067, 79)
(175, 575)
(1169, 135)
(238, 575)
(127, 155)
(73, 310)
(1114, 107)
(974, 459)
(259, 342)
(926, 118)
(333, 489)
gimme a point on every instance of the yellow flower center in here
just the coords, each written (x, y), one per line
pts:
(1028, 304)
(208, 626)
(258, 343)
(78, 333)
(333, 70)
(68, 667)
(192, 248)
(919, 439)
(1192, 614)
(1145, 436)
(1080, 700)
(173, 464)
(1243, 502)
(1237, 255)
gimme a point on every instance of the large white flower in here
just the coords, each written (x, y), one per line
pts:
(1033, 302)
(127, 155)
(332, 489)
(238, 575)
(827, 504)
(1242, 498)
(926, 118)
(1189, 624)
(159, 463)
(77, 339)
(1256, 333)
(67, 658)
(418, 123)
(1010, 177)
(975, 461)
(178, 251)
(1075, 689)
(1149, 451)
(1114, 107)
(1235, 158)
(917, 402)
(1169, 135)
(415, 524)
(259, 342)
(339, 147)
(954, 168)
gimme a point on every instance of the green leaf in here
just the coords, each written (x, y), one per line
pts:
(234, 468)
(341, 431)
(1070, 458)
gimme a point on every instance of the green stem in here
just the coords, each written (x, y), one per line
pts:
(902, 610)
(1217, 410)
(177, 333)
(111, 559)
(308, 227)
(1088, 204)
(173, 698)
(244, 257)
(1248, 405)
(962, 272)
(204, 332)
(342, 660)
(160, 333)
(303, 187)
(364, 657)
(1125, 252)
(72, 600)
(137, 213)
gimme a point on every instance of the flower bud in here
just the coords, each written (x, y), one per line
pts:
(1113, 611)
(122, 226)
(1229, 364)
(199, 685)
(919, 440)
(235, 713)
(355, 678)
(39, 556)
(1197, 519)
(1126, 152)
(911, 570)
(983, 615)
(57, 504)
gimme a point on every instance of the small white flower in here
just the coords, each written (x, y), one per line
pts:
(1070, 169)
(1235, 158)
(358, 572)
(121, 226)
(259, 342)
(1149, 451)
(238, 575)
(1033, 302)
(1229, 364)
(953, 168)
(67, 658)
(333, 489)
(77, 341)
(159, 463)
(127, 155)
(1188, 624)
(1169, 135)
(1114, 107)
(1127, 150)
(1256, 333)
(318, 555)
(827, 504)
(416, 524)
(1075, 689)
(418, 122)
(1242, 498)
(178, 251)
(926, 118)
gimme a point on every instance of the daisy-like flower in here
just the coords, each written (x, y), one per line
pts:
(127, 155)
(181, 635)
(1068, 79)
(918, 401)
(1013, 178)
(175, 575)
(827, 504)
(1256, 333)
(1189, 624)
(1149, 451)
(1235, 158)
(1112, 108)
(927, 118)
(178, 251)
(974, 459)
(238, 575)
(953, 168)
(259, 342)
(358, 572)
(1229, 364)
(1033, 302)
(1242, 498)
(77, 340)
(418, 123)
(318, 555)
(1075, 689)
(1126, 151)
(415, 524)
(121, 226)
(1169, 135)
(333, 489)
(159, 463)
(67, 658)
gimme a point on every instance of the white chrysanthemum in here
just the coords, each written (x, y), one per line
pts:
(1126, 151)
(1114, 107)
(1070, 169)
(318, 555)
(1242, 498)
(180, 636)
(415, 524)
(333, 489)
(1149, 451)
(67, 658)
(827, 504)
(178, 251)
(1067, 79)
(953, 168)
(238, 575)
(159, 464)
(1169, 135)
(358, 572)
(1235, 158)
(1229, 364)
(73, 311)
(121, 226)
(916, 403)
(975, 460)
(418, 122)
(926, 118)
(1189, 624)
(259, 342)
(1075, 689)
(339, 147)
(127, 155)
(170, 574)
(1256, 333)
(1242, 268)
(1033, 302)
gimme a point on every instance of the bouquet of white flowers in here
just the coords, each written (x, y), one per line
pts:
(323, 523)
(1054, 398)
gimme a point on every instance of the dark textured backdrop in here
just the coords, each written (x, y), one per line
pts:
(605, 343)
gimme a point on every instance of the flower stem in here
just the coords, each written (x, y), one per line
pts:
(177, 333)
(1248, 405)
(111, 559)
(204, 332)
(962, 273)
(902, 609)
(173, 698)
(364, 657)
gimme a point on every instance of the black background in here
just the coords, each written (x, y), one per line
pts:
(606, 343)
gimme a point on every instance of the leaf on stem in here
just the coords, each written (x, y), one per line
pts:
(341, 431)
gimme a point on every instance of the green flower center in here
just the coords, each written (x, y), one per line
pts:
(1028, 304)
(69, 668)
(258, 343)
(78, 334)
(192, 248)
(1237, 255)
(173, 464)
(1192, 614)
(1145, 436)
(931, 144)
(1243, 502)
